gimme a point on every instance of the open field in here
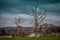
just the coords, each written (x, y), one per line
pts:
(32, 38)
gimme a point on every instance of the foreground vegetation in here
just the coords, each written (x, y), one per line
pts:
(32, 38)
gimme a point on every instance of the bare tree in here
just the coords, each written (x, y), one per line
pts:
(39, 15)
(18, 22)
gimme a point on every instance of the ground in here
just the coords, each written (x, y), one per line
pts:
(32, 38)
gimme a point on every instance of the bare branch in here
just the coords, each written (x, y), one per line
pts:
(39, 17)
(43, 13)
(17, 21)
(42, 20)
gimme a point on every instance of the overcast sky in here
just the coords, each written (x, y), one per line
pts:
(9, 9)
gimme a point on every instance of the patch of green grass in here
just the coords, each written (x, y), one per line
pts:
(32, 38)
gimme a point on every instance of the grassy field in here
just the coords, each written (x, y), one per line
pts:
(27, 38)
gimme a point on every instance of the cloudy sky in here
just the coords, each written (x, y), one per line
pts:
(9, 9)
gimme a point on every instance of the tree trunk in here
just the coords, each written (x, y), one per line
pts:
(36, 24)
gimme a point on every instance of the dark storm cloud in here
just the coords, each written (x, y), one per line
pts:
(7, 3)
(22, 5)
(14, 3)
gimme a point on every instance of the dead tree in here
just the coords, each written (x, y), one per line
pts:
(18, 22)
(39, 15)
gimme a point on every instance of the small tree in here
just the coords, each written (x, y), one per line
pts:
(39, 15)
(17, 21)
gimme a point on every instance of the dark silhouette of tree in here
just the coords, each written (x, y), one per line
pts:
(3, 31)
